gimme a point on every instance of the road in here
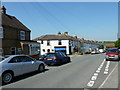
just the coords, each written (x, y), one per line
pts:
(86, 71)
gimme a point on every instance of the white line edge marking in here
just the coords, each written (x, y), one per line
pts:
(108, 76)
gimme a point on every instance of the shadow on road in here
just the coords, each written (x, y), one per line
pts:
(24, 76)
(57, 65)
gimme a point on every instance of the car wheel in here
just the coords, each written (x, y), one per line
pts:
(7, 77)
(41, 68)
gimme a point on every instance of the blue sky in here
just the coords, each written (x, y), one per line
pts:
(89, 20)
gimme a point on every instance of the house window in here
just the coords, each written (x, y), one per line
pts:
(22, 35)
(59, 42)
(43, 50)
(13, 50)
(48, 50)
(48, 42)
(1, 51)
(41, 41)
(1, 32)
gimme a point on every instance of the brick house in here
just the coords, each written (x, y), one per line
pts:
(15, 37)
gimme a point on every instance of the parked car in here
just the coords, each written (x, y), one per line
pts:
(112, 54)
(95, 52)
(16, 65)
(66, 57)
(42, 57)
(56, 58)
(101, 50)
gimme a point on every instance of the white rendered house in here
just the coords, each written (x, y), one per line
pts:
(55, 43)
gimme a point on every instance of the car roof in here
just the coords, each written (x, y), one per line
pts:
(14, 55)
(113, 49)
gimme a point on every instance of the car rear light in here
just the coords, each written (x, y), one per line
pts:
(54, 58)
(45, 58)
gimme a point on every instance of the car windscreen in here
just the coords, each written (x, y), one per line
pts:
(112, 51)
(50, 55)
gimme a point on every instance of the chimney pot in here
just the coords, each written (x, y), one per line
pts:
(3, 9)
(65, 33)
(59, 33)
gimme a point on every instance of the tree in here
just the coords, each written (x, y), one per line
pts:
(101, 47)
(117, 43)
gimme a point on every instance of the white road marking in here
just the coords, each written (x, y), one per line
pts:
(98, 71)
(108, 76)
(94, 77)
(95, 74)
(107, 68)
(91, 83)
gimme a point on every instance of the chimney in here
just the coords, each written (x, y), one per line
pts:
(59, 33)
(3, 9)
(75, 36)
(65, 33)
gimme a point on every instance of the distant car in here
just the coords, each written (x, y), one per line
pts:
(112, 54)
(101, 50)
(95, 52)
(56, 58)
(16, 65)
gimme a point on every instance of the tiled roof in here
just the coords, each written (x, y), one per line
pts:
(12, 21)
(110, 45)
(64, 37)
(56, 37)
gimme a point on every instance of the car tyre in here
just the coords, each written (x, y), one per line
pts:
(7, 77)
(41, 68)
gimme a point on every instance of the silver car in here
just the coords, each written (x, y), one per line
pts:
(16, 65)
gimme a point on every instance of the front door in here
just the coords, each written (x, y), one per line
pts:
(13, 50)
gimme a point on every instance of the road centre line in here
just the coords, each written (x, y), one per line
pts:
(108, 77)
(94, 77)
(107, 67)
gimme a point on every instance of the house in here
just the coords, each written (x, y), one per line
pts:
(88, 46)
(60, 42)
(15, 36)
(64, 43)
(110, 45)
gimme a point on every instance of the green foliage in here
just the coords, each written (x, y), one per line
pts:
(73, 53)
(108, 42)
(101, 47)
(87, 52)
(117, 43)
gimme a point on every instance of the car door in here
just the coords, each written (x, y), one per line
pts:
(29, 64)
(15, 64)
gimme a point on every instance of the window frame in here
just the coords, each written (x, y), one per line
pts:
(22, 35)
(59, 42)
(41, 41)
(1, 32)
(48, 42)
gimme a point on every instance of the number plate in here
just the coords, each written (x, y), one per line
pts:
(49, 59)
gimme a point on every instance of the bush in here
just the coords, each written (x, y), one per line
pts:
(73, 53)
(87, 52)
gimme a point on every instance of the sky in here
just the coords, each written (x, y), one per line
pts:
(90, 20)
